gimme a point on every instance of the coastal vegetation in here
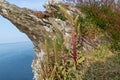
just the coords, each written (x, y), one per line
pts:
(100, 27)
(74, 40)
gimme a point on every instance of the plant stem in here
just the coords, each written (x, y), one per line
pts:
(74, 43)
(48, 54)
(55, 51)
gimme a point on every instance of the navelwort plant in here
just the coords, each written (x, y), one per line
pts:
(60, 64)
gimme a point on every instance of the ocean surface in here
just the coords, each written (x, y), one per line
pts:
(15, 61)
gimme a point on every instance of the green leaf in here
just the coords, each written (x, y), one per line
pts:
(81, 60)
(64, 11)
(76, 20)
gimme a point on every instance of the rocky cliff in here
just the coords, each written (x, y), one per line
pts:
(38, 26)
(41, 26)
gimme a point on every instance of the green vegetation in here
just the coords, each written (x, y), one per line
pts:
(103, 63)
(105, 17)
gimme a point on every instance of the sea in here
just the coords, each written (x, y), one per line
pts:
(15, 61)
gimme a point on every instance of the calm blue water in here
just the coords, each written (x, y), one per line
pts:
(15, 61)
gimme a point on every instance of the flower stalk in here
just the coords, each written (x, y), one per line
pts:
(74, 43)
(73, 32)
(55, 51)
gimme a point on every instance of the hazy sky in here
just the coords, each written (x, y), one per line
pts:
(8, 32)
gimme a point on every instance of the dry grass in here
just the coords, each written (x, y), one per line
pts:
(101, 65)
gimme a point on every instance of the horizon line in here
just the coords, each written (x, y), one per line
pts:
(15, 42)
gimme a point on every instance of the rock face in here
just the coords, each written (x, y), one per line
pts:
(38, 28)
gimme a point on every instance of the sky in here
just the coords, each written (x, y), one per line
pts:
(8, 32)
